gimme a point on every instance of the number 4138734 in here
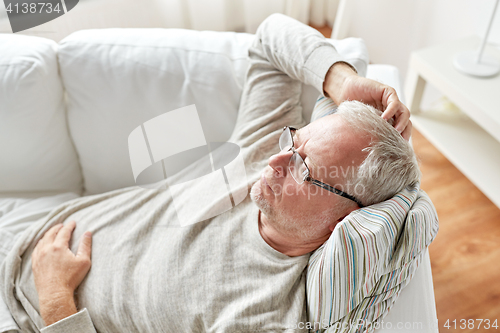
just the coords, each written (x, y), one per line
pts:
(32, 7)
(471, 324)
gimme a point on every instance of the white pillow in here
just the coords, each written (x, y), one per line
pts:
(36, 151)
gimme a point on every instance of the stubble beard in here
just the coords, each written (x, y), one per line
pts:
(258, 198)
(300, 226)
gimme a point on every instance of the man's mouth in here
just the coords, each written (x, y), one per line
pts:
(265, 182)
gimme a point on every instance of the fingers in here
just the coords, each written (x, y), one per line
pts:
(392, 104)
(407, 131)
(402, 116)
(397, 110)
(85, 246)
(64, 235)
(403, 119)
(390, 101)
(51, 234)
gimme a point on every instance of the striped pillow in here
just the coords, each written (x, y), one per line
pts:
(323, 107)
(370, 256)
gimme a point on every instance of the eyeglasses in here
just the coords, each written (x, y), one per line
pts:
(299, 170)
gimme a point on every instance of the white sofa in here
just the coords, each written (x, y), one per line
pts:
(67, 109)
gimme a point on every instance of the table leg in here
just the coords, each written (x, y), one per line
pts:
(414, 89)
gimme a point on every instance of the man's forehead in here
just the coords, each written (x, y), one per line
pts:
(321, 141)
(325, 130)
(331, 143)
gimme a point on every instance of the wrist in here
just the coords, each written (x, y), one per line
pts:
(335, 79)
(53, 293)
(57, 306)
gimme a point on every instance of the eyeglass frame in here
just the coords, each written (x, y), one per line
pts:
(308, 177)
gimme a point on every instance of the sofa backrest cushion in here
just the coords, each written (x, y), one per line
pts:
(36, 152)
(117, 79)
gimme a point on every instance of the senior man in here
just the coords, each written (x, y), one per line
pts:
(241, 271)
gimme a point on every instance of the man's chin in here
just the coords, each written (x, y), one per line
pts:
(258, 198)
(256, 193)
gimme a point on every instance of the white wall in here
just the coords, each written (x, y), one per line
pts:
(394, 28)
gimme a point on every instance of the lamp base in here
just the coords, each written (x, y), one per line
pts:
(466, 62)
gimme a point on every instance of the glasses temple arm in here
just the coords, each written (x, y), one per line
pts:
(334, 190)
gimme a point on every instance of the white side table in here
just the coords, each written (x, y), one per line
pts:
(471, 144)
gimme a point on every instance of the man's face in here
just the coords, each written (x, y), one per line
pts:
(330, 149)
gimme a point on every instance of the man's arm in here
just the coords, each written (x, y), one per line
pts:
(57, 273)
(305, 55)
(285, 46)
(284, 54)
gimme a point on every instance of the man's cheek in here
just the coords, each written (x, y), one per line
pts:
(313, 191)
(295, 190)
(301, 190)
(289, 190)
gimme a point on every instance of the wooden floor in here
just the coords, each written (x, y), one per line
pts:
(465, 256)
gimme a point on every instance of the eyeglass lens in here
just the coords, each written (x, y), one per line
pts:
(296, 165)
(286, 141)
(297, 168)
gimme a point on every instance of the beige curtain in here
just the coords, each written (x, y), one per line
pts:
(243, 15)
(218, 15)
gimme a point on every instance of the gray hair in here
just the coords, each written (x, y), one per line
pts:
(391, 164)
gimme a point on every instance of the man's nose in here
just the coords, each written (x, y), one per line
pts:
(279, 162)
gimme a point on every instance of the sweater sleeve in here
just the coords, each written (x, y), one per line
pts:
(297, 50)
(80, 322)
